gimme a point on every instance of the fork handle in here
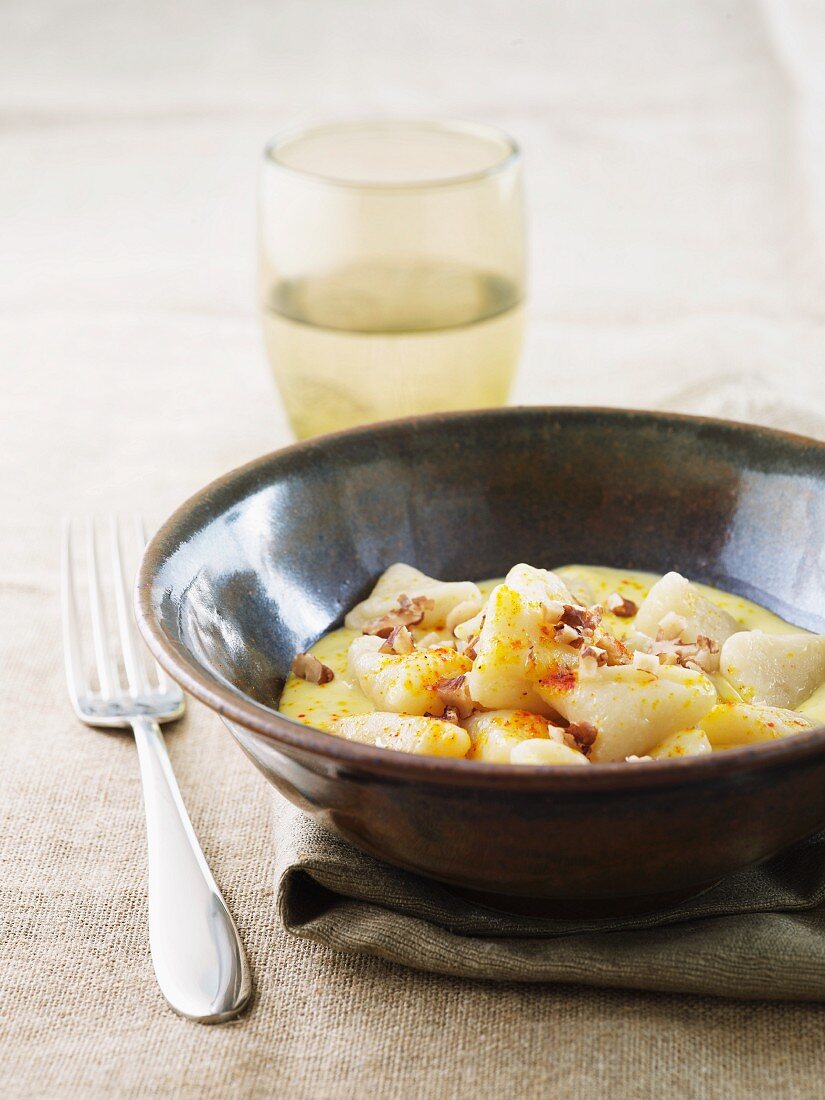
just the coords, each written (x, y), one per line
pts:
(196, 951)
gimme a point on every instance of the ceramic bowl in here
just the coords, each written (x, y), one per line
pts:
(257, 565)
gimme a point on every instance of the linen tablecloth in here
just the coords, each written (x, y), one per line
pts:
(675, 165)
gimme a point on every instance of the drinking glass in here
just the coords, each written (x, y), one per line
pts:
(391, 269)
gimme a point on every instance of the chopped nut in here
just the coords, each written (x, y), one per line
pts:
(637, 759)
(400, 641)
(567, 635)
(701, 655)
(408, 613)
(552, 610)
(455, 692)
(646, 662)
(617, 653)
(470, 647)
(671, 627)
(419, 603)
(582, 735)
(573, 615)
(450, 715)
(583, 619)
(621, 606)
(309, 668)
(706, 657)
(588, 668)
(594, 652)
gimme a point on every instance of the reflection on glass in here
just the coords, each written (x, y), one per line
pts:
(392, 270)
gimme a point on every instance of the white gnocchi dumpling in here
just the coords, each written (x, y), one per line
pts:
(779, 670)
(512, 628)
(404, 684)
(632, 709)
(675, 597)
(401, 579)
(538, 586)
(470, 628)
(405, 733)
(730, 724)
(494, 733)
(693, 742)
(547, 753)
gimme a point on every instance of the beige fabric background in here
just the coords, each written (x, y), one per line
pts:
(676, 177)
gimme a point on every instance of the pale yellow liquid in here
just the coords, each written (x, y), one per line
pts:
(375, 341)
(319, 705)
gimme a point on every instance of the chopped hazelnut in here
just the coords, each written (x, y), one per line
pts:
(645, 662)
(617, 653)
(451, 715)
(455, 692)
(582, 735)
(567, 635)
(400, 641)
(582, 619)
(621, 606)
(588, 668)
(595, 653)
(309, 668)
(552, 611)
(701, 655)
(408, 613)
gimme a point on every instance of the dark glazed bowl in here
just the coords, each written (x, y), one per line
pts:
(260, 563)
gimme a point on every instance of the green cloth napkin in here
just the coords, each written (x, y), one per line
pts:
(759, 934)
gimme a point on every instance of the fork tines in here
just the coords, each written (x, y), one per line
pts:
(121, 669)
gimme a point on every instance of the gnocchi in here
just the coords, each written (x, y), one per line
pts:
(523, 671)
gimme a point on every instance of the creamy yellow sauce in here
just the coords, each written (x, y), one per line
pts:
(319, 705)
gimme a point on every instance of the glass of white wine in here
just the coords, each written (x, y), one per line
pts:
(391, 269)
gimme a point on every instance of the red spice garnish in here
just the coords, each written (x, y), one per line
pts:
(559, 677)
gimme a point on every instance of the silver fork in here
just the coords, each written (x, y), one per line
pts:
(196, 951)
